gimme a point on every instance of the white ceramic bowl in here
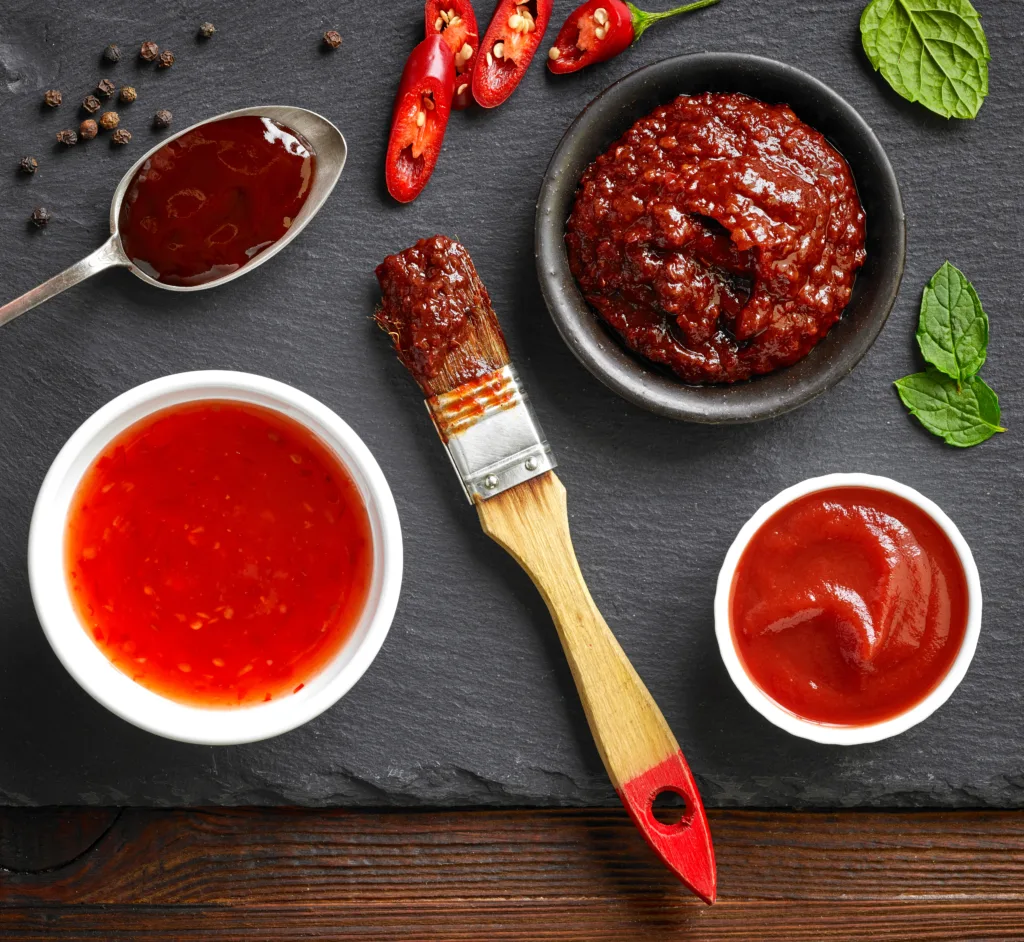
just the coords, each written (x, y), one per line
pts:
(824, 732)
(87, 663)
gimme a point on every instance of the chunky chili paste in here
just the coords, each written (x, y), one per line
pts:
(438, 314)
(218, 553)
(720, 237)
(849, 606)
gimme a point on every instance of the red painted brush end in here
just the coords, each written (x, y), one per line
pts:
(685, 847)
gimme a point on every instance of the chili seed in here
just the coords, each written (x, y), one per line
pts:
(332, 39)
(162, 119)
(91, 104)
(149, 51)
(128, 94)
(67, 137)
(421, 118)
(109, 120)
(206, 30)
(601, 16)
(515, 21)
(553, 53)
(122, 136)
(87, 129)
(28, 165)
(446, 15)
(438, 24)
(165, 60)
(53, 98)
(455, 20)
(112, 53)
(601, 32)
(490, 59)
(40, 217)
(105, 87)
(499, 50)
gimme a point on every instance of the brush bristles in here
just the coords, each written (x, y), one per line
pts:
(439, 316)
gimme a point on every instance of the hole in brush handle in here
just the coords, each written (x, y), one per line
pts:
(683, 845)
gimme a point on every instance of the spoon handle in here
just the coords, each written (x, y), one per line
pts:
(107, 255)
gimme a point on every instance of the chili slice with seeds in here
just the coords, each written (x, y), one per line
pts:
(598, 30)
(507, 48)
(455, 22)
(419, 119)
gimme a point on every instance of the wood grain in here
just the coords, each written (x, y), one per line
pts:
(526, 875)
(530, 521)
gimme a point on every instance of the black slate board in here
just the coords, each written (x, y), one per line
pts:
(470, 701)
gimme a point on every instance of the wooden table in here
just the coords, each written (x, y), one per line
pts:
(283, 874)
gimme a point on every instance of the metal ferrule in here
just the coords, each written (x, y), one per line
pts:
(491, 434)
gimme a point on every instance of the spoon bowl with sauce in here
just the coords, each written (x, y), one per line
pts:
(212, 202)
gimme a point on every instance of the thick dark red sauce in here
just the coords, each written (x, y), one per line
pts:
(210, 201)
(720, 236)
(218, 553)
(438, 314)
(849, 606)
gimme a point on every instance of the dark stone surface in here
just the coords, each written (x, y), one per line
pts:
(470, 701)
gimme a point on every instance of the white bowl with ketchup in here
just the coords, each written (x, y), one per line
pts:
(848, 609)
(215, 556)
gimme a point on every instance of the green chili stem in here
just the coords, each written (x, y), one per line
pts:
(642, 19)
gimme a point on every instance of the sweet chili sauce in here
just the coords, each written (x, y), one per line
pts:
(849, 606)
(218, 553)
(210, 201)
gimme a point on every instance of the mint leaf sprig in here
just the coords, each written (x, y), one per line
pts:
(949, 398)
(930, 51)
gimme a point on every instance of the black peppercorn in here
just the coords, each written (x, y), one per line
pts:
(332, 39)
(128, 94)
(28, 165)
(91, 104)
(149, 51)
(206, 30)
(53, 98)
(162, 119)
(67, 137)
(109, 120)
(122, 136)
(87, 130)
(105, 87)
(40, 217)
(165, 60)
(112, 53)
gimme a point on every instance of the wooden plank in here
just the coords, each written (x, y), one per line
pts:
(537, 875)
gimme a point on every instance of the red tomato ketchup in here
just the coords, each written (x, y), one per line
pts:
(849, 606)
(218, 553)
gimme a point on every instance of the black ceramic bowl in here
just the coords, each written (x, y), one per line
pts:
(604, 120)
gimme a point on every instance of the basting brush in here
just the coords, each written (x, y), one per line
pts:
(440, 320)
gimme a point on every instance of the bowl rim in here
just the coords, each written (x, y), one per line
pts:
(89, 665)
(823, 732)
(607, 358)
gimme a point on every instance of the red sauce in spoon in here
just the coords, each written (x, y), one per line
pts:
(849, 606)
(210, 201)
(218, 553)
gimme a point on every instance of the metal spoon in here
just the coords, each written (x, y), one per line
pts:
(328, 146)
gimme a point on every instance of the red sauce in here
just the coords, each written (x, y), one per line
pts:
(438, 314)
(849, 606)
(218, 553)
(720, 237)
(210, 201)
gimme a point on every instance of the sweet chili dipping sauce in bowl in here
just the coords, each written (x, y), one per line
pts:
(215, 557)
(848, 608)
(206, 203)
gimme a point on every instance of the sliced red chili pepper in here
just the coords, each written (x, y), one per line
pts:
(419, 119)
(600, 29)
(455, 21)
(507, 48)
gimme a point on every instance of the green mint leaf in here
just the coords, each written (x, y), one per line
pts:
(953, 329)
(961, 414)
(930, 51)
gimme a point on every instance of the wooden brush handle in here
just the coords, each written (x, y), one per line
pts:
(639, 751)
